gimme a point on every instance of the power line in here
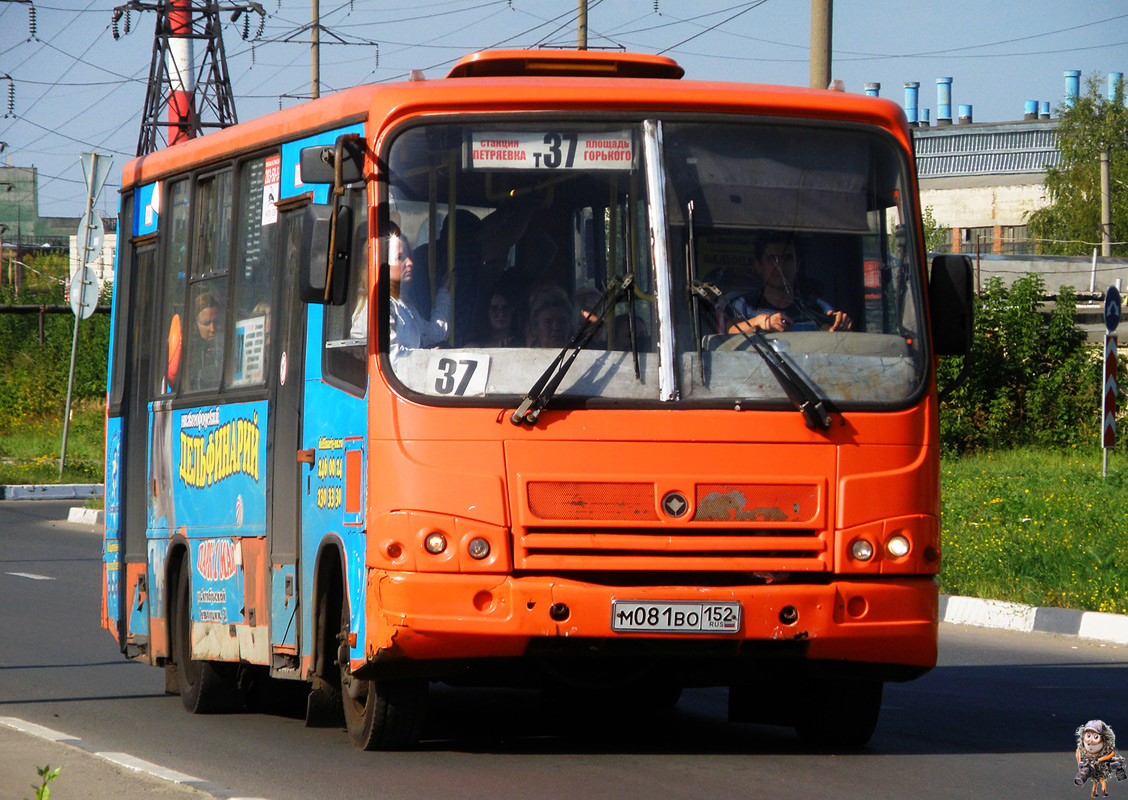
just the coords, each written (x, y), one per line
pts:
(712, 27)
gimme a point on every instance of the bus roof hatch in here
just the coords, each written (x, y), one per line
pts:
(565, 63)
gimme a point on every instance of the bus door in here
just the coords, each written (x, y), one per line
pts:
(289, 462)
(325, 367)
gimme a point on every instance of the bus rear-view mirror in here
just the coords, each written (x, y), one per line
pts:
(318, 163)
(324, 259)
(951, 301)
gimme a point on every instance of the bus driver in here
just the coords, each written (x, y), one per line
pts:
(776, 304)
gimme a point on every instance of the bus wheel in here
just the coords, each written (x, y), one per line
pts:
(842, 714)
(205, 687)
(383, 714)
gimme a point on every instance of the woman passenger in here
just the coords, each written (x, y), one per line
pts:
(501, 326)
(550, 318)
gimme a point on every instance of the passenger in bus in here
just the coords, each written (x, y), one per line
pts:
(207, 352)
(358, 321)
(410, 329)
(779, 301)
(467, 270)
(502, 324)
(551, 320)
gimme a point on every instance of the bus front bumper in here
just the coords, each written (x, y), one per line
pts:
(425, 616)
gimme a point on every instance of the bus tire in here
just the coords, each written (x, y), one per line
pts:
(841, 714)
(206, 687)
(380, 714)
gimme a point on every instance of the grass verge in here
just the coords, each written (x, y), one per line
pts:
(30, 447)
(1036, 527)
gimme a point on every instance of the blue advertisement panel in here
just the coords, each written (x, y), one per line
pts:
(111, 543)
(219, 460)
(208, 465)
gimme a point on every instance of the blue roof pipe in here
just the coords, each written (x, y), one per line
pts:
(943, 101)
(912, 88)
(1072, 85)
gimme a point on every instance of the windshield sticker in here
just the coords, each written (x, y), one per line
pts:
(461, 376)
(551, 150)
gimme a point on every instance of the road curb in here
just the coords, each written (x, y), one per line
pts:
(86, 516)
(56, 491)
(1093, 625)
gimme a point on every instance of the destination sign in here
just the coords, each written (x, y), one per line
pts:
(551, 150)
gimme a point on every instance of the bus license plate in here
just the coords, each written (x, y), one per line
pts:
(637, 616)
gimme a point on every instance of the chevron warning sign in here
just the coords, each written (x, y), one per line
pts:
(1108, 403)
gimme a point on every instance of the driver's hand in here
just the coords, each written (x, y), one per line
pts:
(842, 321)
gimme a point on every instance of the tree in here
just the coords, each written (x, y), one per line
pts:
(1030, 378)
(1072, 221)
(937, 239)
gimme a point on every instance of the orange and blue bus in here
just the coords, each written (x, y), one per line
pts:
(558, 371)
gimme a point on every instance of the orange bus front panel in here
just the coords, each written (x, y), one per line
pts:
(425, 617)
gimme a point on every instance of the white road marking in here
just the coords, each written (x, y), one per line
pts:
(31, 575)
(34, 730)
(140, 765)
(121, 759)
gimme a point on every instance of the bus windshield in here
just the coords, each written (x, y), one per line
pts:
(664, 255)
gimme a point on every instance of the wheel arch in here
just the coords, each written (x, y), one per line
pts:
(179, 557)
(328, 593)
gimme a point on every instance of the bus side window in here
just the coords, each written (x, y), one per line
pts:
(347, 327)
(204, 331)
(171, 329)
(256, 216)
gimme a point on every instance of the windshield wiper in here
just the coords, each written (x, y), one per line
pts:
(798, 389)
(547, 384)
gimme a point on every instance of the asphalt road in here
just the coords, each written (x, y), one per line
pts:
(994, 720)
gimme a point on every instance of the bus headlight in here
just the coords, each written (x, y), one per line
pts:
(478, 548)
(897, 546)
(435, 543)
(861, 550)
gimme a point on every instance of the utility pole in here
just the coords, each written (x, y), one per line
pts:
(184, 98)
(315, 51)
(581, 26)
(1106, 206)
(821, 28)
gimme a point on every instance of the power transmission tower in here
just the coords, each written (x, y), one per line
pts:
(184, 98)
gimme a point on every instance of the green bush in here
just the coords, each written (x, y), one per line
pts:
(33, 375)
(1031, 379)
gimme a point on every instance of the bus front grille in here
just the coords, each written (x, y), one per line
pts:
(662, 548)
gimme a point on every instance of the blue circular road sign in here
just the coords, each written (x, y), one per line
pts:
(1112, 309)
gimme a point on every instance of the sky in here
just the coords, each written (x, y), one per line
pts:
(69, 87)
